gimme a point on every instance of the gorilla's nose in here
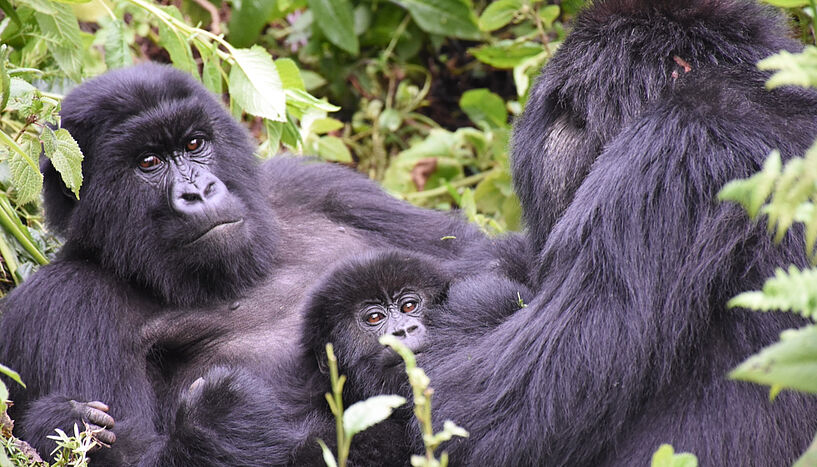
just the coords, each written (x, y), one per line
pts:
(403, 332)
(195, 196)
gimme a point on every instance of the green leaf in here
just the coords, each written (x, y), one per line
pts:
(42, 6)
(176, 44)
(499, 14)
(65, 155)
(289, 73)
(274, 132)
(506, 54)
(328, 457)
(790, 363)
(255, 84)
(11, 374)
(363, 414)
(794, 291)
(485, 108)
(549, 14)
(9, 10)
(305, 100)
(752, 193)
(25, 174)
(798, 69)
(331, 148)
(5, 80)
(337, 21)
(787, 3)
(62, 35)
(390, 119)
(117, 50)
(211, 73)
(809, 458)
(324, 125)
(452, 18)
(247, 20)
(665, 457)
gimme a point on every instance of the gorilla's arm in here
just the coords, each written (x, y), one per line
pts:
(86, 356)
(628, 342)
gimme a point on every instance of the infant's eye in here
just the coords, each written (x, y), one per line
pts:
(375, 317)
(409, 306)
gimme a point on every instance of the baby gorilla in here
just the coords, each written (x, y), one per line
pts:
(386, 292)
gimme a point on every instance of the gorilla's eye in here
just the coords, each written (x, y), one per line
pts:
(194, 144)
(375, 317)
(409, 306)
(149, 162)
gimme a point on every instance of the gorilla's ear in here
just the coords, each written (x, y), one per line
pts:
(322, 359)
(58, 200)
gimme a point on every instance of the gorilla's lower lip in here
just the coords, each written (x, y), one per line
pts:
(217, 229)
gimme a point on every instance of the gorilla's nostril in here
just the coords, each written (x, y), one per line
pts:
(191, 197)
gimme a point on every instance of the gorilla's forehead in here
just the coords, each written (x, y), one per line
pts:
(165, 125)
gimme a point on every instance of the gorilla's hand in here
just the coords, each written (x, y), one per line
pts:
(95, 415)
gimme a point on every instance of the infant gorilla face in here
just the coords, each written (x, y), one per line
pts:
(400, 315)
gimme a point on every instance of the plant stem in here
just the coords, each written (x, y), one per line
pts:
(439, 191)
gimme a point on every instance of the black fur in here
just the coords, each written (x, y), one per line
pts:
(617, 160)
(127, 316)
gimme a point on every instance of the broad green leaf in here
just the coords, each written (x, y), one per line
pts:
(289, 73)
(337, 21)
(332, 149)
(498, 14)
(453, 18)
(25, 174)
(117, 50)
(549, 14)
(43, 6)
(665, 457)
(255, 84)
(328, 457)
(752, 193)
(65, 155)
(324, 125)
(62, 35)
(484, 107)
(176, 44)
(247, 20)
(390, 119)
(305, 100)
(11, 374)
(506, 54)
(312, 80)
(211, 73)
(21, 94)
(790, 363)
(363, 414)
(274, 131)
(290, 135)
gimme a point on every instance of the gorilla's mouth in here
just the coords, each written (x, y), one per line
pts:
(221, 228)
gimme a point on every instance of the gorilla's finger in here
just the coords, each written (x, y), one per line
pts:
(89, 413)
(103, 435)
(98, 405)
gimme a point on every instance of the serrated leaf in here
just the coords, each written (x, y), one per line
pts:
(331, 148)
(790, 363)
(117, 50)
(62, 35)
(337, 21)
(176, 44)
(211, 73)
(248, 18)
(484, 107)
(506, 54)
(752, 193)
(793, 68)
(498, 14)
(255, 84)
(665, 457)
(289, 73)
(791, 290)
(65, 155)
(452, 18)
(328, 457)
(25, 174)
(363, 414)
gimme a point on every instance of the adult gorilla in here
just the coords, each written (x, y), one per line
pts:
(180, 257)
(644, 113)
